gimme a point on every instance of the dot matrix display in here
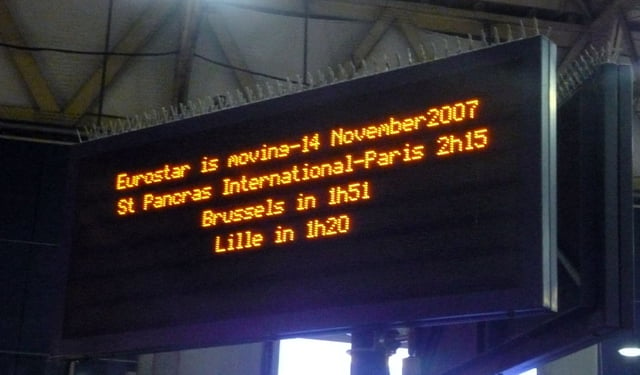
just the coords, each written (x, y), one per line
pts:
(405, 189)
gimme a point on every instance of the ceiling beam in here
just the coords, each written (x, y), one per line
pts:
(425, 16)
(585, 9)
(411, 34)
(553, 5)
(25, 62)
(596, 26)
(232, 52)
(616, 39)
(466, 22)
(317, 8)
(31, 115)
(192, 11)
(375, 33)
(136, 38)
(628, 37)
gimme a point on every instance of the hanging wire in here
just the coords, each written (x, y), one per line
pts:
(105, 61)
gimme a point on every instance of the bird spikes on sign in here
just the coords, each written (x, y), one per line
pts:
(580, 70)
(437, 49)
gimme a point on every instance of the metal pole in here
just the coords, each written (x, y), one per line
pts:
(369, 355)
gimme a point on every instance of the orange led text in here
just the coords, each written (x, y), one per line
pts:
(331, 226)
(268, 208)
(270, 152)
(168, 172)
(243, 240)
(349, 193)
(451, 113)
(307, 172)
(177, 198)
(436, 116)
(469, 141)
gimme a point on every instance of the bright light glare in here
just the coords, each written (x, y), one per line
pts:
(395, 361)
(314, 357)
(629, 351)
(533, 371)
(321, 357)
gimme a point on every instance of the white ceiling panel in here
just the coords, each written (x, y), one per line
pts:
(145, 82)
(271, 44)
(208, 78)
(12, 88)
(331, 42)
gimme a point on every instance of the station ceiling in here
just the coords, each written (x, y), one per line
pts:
(165, 57)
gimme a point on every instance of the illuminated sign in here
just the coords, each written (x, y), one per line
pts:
(421, 193)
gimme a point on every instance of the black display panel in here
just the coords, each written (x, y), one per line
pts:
(421, 194)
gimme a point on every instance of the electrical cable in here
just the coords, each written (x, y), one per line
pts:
(305, 50)
(90, 53)
(137, 54)
(228, 66)
(105, 59)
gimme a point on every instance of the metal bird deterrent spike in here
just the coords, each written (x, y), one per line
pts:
(281, 89)
(576, 65)
(239, 98)
(586, 65)
(435, 50)
(363, 65)
(496, 35)
(374, 66)
(289, 85)
(423, 53)
(270, 92)
(321, 78)
(259, 91)
(300, 82)
(343, 72)
(108, 128)
(332, 74)
(576, 73)
(385, 59)
(87, 132)
(210, 103)
(201, 105)
(130, 123)
(310, 80)
(250, 96)
(165, 115)
(445, 48)
(147, 119)
(230, 100)
(156, 117)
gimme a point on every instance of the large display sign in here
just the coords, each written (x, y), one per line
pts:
(424, 193)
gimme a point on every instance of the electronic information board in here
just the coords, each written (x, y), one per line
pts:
(424, 193)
